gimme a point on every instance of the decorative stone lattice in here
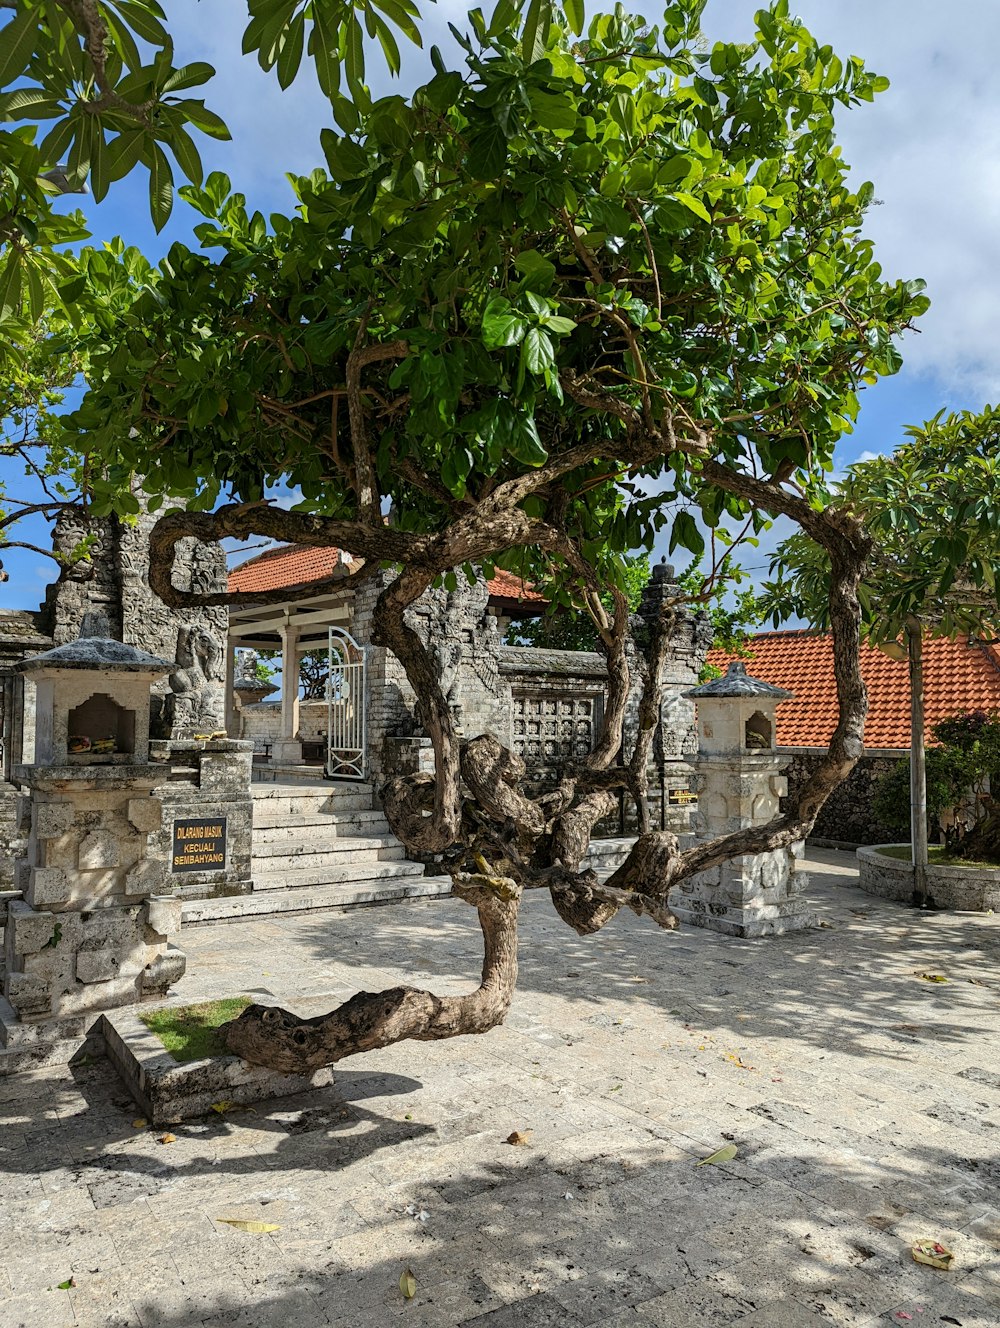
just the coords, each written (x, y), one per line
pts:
(550, 729)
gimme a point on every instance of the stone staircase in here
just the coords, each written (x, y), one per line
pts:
(318, 844)
(606, 855)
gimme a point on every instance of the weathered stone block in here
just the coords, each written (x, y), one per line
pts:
(107, 965)
(146, 877)
(46, 886)
(98, 850)
(146, 814)
(31, 997)
(112, 928)
(30, 929)
(52, 819)
(163, 914)
(164, 970)
(22, 823)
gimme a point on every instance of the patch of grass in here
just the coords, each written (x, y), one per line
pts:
(191, 1033)
(937, 856)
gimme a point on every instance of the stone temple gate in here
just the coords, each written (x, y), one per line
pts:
(259, 768)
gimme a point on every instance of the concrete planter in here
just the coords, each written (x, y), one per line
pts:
(966, 889)
(169, 1091)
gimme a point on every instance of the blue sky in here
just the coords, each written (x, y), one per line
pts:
(930, 144)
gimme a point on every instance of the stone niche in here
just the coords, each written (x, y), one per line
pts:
(93, 928)
(92, 703)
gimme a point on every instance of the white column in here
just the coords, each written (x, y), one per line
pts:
(288, 750)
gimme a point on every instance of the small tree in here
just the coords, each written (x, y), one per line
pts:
(961, 772)
(933, 508)
(534, 307)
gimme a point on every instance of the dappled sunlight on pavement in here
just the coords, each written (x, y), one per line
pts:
(863, 1101)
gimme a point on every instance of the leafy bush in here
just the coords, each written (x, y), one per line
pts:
(959, 774)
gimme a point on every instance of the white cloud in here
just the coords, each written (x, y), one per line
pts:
(929, 145)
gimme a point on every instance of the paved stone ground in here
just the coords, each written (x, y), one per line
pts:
(864, 1101)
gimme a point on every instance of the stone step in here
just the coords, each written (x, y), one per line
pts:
(311, 788)
(310, 873)
(323, 823)
(328, 847)
(347, 894)
(267, 812)
(607, 854)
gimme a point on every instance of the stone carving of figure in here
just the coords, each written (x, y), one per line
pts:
(246, 669)
(196, 683)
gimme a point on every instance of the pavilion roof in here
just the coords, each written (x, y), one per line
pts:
(960, 674)
(298, 564)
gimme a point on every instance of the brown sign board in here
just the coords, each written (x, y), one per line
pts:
(681, 797)
(199, 845)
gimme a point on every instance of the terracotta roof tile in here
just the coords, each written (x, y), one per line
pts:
(298, 564)
(289, 565)
(958, 675)
(505, 585)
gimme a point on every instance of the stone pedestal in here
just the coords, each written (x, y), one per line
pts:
(207, 781)
(286, 751)
(739, 784)
(95, 925)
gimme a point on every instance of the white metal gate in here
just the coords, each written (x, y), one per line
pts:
(346, 707)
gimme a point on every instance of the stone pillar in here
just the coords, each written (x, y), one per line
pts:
(288, 750)
(739, 782)
(232, 719)
(93, 929)
(676, 740)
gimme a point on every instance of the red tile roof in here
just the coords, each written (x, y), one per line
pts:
(505, 585)
(298, 564)
(958, 675)
(288, 565)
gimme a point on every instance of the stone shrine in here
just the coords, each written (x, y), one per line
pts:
(740, 784)
(93, 928)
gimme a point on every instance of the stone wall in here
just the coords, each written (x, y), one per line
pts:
(848, 816)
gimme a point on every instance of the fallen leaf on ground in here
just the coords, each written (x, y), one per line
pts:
(720, 1155)
(930, 977)
(65, 1286)
(519, 1137)
(168, 1138)
(902, 1314)
(256, 1228)
(616, 1088)
(977, 982)
(139, 1123)
(408, 1283)
(738, 1060)
(222, 1107)
(933, 1254)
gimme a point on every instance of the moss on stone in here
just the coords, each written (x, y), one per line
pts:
(191, 1033)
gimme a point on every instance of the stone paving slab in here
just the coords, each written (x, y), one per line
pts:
(864, 1102)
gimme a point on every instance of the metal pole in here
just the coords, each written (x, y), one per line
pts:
(918, 768)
